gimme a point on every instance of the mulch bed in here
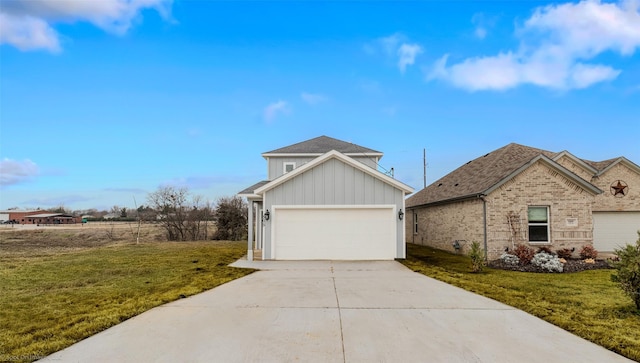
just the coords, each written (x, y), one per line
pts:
(570, 266)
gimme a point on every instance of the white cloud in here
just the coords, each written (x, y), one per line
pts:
(274, 109)
(396, 46)
(28, 33)
(478, 20)
(390, 43)
(28, 25)
(407, 54)
(313, 98)
(555, 42)
(15, 172)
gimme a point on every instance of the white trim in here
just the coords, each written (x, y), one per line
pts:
(547, 223)
(275, 208)
(334, 155)
(281, 155)
(403, 237)
(334, 206)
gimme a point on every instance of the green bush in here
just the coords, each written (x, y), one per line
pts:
(477, 257)
(628, 270)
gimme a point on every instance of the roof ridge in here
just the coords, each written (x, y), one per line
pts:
(321, 145)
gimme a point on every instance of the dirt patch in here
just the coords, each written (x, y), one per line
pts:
(569, 266)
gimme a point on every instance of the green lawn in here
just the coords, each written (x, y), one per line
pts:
(52, 300)
(587, 303)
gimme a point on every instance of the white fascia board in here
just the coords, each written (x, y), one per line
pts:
(577, 160)
(284, 155)
(334, 155)
(621, 160)
(252, 196)
(559, 168)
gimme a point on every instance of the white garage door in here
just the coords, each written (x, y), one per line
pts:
(334, 234)
(612, 230)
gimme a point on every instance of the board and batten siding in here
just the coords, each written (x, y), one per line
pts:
(275, 165)
(335, 183)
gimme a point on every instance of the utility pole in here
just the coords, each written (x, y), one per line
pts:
(424, 165)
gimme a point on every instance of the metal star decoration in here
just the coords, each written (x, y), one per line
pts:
(619, 188)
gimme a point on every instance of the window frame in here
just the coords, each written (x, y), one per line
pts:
(288, 163)
(546, 224)
(415, 222)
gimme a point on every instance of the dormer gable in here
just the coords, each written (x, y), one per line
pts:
(286, 159)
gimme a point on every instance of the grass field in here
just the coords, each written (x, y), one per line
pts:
(586, 303)
(60, 286)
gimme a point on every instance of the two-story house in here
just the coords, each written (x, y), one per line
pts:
(324, 199)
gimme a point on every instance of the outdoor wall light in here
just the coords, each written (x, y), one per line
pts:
(400, 214)
(266, 215)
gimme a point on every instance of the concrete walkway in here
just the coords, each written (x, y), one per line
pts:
(329, 311)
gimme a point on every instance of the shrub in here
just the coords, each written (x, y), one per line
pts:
(628, 270)
(545, 249)
(547, 261)
(510, 259)
(477, 257)
(564, 253)
(588, 252)
(524, 253)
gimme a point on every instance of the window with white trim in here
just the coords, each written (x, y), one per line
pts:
(288, 166)
(538, 217)
(415, 223)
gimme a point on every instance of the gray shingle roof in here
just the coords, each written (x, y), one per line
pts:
(255, 186)
(478, 175)
(321, 145)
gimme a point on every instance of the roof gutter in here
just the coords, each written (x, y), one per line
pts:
(451, 200)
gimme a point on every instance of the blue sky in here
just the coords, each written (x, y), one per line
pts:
(104, 101)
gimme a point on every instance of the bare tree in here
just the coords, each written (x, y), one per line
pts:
(181, 215)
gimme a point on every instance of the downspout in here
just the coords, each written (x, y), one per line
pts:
(484, 223)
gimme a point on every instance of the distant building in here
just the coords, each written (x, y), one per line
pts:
(37, 217)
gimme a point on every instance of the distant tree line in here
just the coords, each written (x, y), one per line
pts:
(182, 215)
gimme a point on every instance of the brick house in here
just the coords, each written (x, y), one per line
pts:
(522, 195)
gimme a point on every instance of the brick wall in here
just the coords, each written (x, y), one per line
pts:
(440, 226)
(606, 201)
(571, 224)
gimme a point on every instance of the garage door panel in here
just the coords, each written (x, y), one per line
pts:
(340, 234)
(612, 230)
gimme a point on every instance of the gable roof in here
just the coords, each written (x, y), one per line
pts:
(333, 154)
(486, 173)
(323, 144)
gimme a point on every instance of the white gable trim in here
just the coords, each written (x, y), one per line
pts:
(284, 155)
(559, 168)
(339, 156)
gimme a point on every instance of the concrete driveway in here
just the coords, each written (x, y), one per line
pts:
(330, 311)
